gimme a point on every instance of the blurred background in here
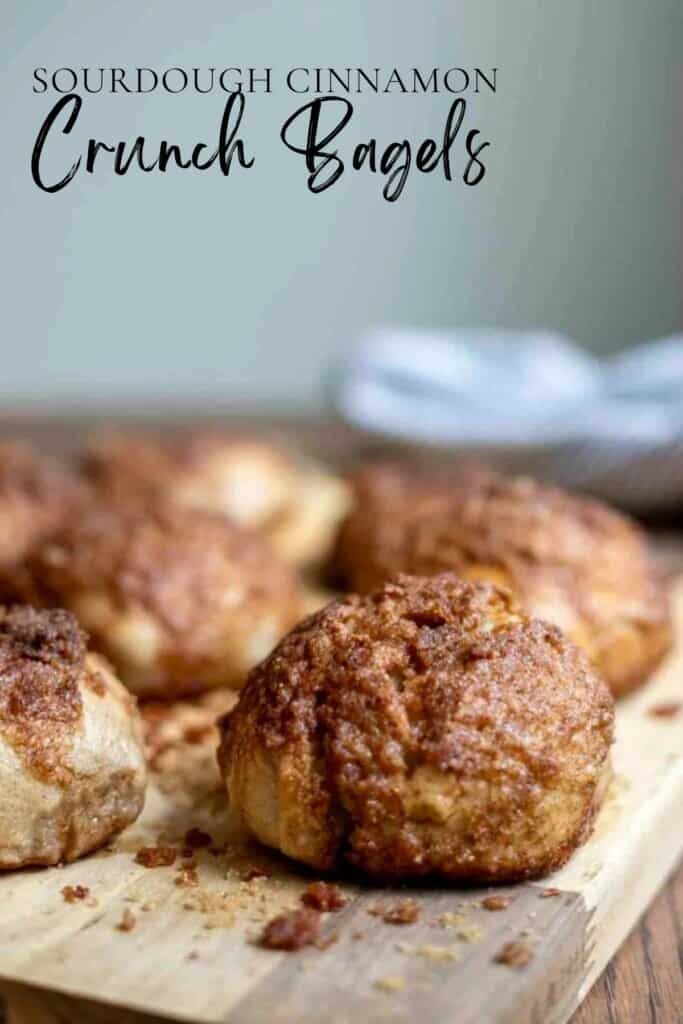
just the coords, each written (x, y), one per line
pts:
(199, 291)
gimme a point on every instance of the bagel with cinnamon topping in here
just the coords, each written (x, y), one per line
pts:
(37, 494)
(253, 481)
(72, 770)
(429, 728)
(180, 600)
(568, 559)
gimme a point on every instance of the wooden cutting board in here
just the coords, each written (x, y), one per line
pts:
(191, 956)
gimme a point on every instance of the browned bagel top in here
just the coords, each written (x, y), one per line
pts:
(42, 657)
(433, 672)
(181, 565)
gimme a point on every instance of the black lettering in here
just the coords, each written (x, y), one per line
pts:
(75, 101)
(365, 151)
(317, 159)
(290, 80)
(456, 71)
(396, 163)
(474, 163)
(40, 81)
(228, 144)
(478, 73)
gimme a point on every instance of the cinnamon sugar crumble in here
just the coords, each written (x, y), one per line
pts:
(514, 954)
(127, 922)
(292, 930)
(324, 897)
(496, 902)
(548, 894)
(74, 893)
(667, 709)
(187, 875)
(439, 954)
(392, 983)
(254, 873)
(156, 856)
(404, 912)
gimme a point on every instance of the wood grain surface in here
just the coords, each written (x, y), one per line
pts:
(643, 983)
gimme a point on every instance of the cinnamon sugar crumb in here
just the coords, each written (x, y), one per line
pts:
(187, 876)
(127, 922)
(392, 983)
(404, 912)
(324, 897)
(514, 954)
(74, 893)
(253, 873)
(496, 902)
(292, 930)
(440, 954)
(548, 894)
(156, 856)
(667, 709)
(470, 933)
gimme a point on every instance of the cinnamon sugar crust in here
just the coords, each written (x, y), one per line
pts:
(71, 762)
(37, 493)
(428, 728)
(250, 479)
(569, 559)
(179, 599)
(42, 656)
(387, 496)
(244, 477)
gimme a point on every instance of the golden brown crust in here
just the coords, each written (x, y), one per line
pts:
(251, 479)
(37, 493)
(71, 762)
(42, 656)
(243, 476)
(569, 559)
(196, 581)
(388, 495)
(429, 727)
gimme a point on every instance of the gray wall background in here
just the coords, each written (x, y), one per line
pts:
(195, 288)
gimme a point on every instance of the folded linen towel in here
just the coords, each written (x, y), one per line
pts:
(531, 401)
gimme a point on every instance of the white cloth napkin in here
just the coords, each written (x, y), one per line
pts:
(530, 400)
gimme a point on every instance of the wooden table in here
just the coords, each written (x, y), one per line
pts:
(644, 981)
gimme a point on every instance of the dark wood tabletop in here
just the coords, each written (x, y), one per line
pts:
(643, 984)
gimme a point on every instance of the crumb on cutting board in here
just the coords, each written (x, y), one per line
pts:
(292, 930)
(75, 893)
(666, 709)
(156, 856)
(324, 896)
(403, 912)
(127, 922)
(429, 951)
(516, 953)
(496, 902)
(391, 983)
(187, 875)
